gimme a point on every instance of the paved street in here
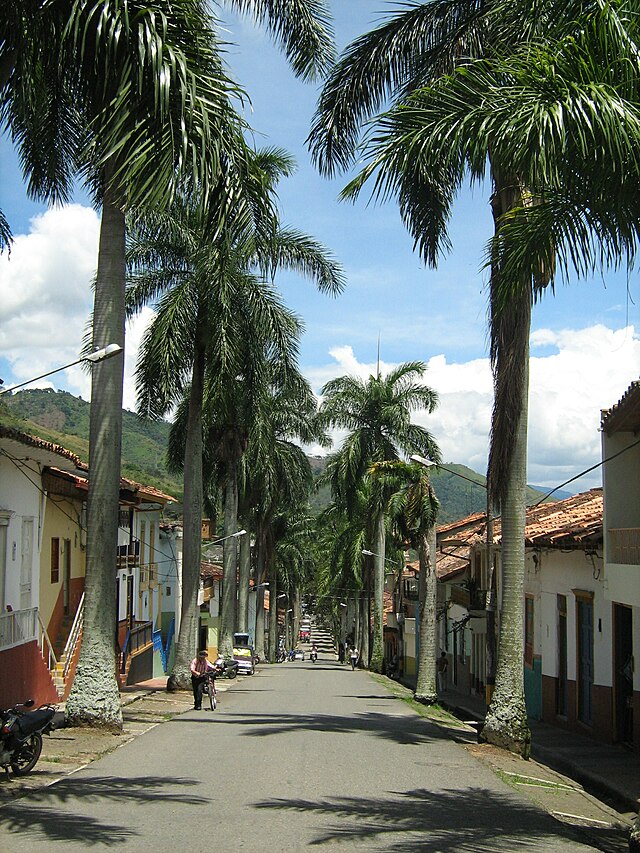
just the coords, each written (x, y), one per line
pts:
(300, 755)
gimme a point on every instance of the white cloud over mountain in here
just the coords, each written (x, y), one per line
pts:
(46, 297)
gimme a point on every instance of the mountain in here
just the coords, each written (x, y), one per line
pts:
(60, 417)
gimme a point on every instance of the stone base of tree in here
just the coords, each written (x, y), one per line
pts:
(94, 703)
(178, 681)
(634, 837)
(426, 698)
(507, 731)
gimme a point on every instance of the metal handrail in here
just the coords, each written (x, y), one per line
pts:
(74, 634)
(42, 638)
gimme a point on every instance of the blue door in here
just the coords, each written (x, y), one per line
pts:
(585, 660)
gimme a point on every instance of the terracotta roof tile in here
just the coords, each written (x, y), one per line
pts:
(569, 522)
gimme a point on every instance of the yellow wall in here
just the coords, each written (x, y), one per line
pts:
(62, 521)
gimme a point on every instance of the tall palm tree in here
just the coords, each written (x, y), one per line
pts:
(404, 158)
(413, 509)
(216, 323)
(277, 477)
(160, 116)
(377, 415)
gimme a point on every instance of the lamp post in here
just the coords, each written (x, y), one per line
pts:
(99, 355)
(491, 604)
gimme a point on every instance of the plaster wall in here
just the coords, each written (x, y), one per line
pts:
(61, 522)
(20, 502)
(560, 573)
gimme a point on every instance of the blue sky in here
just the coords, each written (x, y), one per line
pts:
(585, 338)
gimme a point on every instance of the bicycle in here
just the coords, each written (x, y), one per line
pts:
(209, 689)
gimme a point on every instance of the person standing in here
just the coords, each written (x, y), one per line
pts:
(442, 665)
(199, 668)
(354, 654)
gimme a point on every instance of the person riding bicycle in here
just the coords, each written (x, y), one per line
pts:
(200, 666)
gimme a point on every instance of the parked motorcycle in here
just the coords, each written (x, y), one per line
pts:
(21, 735)
(228, 668)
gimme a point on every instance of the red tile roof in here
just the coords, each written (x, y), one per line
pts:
(560, 523)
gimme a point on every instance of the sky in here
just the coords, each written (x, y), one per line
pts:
(585, 339)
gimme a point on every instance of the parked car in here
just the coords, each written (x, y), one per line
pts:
(298, 654)
(305, 634)
(244, 654)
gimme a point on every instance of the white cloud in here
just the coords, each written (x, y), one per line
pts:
(46, 298)
(45, 287)
(588, 370)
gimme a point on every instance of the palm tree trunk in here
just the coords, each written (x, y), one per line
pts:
(506, 721)
(94, 698)
(426, 688)
(377, 650)
(260, 594)
(229, 563)
(273, 612)
(244, 576)
(186, 645)
(364, 625)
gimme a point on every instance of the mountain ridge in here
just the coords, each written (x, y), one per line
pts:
(63, 419)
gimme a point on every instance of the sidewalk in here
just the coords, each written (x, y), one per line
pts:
(609, 771)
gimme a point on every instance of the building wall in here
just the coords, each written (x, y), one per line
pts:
(24, 675)
(61, 522)
(22, 501)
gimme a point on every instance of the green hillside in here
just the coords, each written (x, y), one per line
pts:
(64, 419)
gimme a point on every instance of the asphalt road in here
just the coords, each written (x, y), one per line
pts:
(296, 757)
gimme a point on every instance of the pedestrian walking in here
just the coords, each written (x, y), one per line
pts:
(442, 665)
(340, 652)
(354, 654)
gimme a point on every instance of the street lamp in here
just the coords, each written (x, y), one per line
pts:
(224, 538)
(93, 358)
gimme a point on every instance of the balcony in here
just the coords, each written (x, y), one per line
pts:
(129, 554)
(475, 601)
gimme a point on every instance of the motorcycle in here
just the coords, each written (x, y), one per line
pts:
(313, 655)
(21, 736)
(227, 668)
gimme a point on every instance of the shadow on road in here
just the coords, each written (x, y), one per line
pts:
(41, 814)
(409, 730)
(474, 821)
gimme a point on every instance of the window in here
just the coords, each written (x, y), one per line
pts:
(528, 631)
(55, 559)
(168, 590)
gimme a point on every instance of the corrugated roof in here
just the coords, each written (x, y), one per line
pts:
(625, 415)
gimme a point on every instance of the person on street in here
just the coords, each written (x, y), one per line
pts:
(341, 652)
(442, 665)
(353, 656)
(200, 666)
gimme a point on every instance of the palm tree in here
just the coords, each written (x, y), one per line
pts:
(404, 155)
(159, 116)
(413, 509)
(377, 414)
(277, 478)
(217, 323)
